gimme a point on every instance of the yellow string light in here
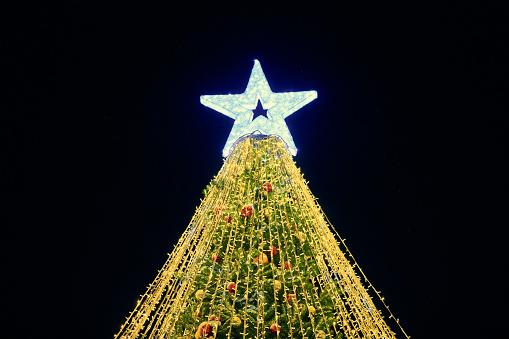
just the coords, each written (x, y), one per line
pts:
(260, 231)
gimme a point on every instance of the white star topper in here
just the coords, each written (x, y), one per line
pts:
(240, 107)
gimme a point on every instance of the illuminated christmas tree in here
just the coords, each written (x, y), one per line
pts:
(259, 258)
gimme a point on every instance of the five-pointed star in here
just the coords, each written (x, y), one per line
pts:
(240, 107)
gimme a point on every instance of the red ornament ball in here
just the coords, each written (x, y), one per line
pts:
(214, 317)
(272, 250)
(247, 211)
(291, 299)
(231, 287)
(228, 219)
(288, 265)
(267, 187)
(216, 257)
(294, 227)
(218, 209)
(275, 328)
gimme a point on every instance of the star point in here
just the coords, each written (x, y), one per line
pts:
(240, 107)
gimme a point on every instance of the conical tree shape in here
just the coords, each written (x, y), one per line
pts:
(258, 260)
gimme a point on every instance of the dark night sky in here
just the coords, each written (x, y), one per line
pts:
(107, 148)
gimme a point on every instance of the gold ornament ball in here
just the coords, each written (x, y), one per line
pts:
(311, 310)
(301, 236)
(200, 294)
(320, 335)
(261, 259)
(277, 285)
(236, 322)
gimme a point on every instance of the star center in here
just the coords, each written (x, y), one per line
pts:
(259, 110)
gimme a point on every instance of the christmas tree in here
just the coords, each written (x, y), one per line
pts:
(259, 258)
